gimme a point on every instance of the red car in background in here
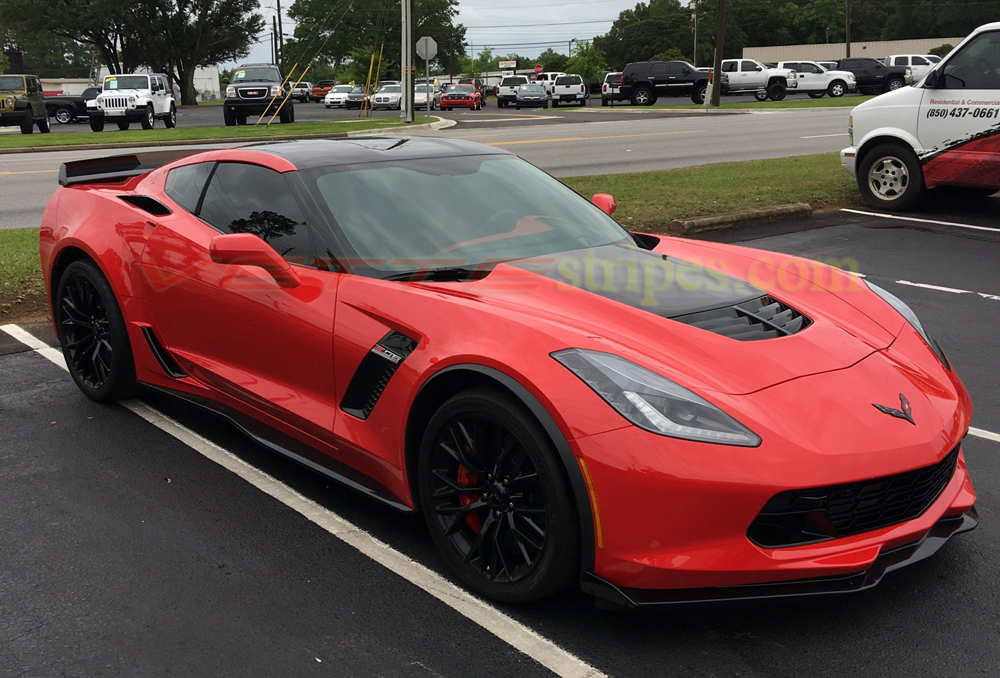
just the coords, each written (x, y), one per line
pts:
(461, 96)
(655, 420)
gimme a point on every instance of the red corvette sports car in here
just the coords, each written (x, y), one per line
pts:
(655, 420)
(461, 96)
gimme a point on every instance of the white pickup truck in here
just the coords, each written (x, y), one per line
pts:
(815, 80)
(569, 88)
(747, 75)
(506, 91)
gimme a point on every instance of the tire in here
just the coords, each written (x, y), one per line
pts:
(604, 102)
(96, 123)
(546, 105)
(44, 126)
(64, 115)
(760, 95)
(583, 102)
(170, 121)
(93, 334)
(776, 91)
(836, 89)
(699, 94)
(329, 106)
(894, 84)
(28, 122)
(285, 115)
(149, 120)
(643, 97)
(123, 125)
(517, 107)
(241, 119)
(816, 95)
(555, 103)
(527, 509)
(228, 116)
(890, 178)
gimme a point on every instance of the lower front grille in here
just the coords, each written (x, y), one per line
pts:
(818, 514)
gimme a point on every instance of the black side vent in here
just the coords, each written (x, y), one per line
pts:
(374, 373)
(146, 204)
(162, 356)
(761, 318)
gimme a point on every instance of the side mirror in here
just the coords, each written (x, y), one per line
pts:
(226, 81)
(687, 71)
(605, 202)
(758, 69)
(246, 249)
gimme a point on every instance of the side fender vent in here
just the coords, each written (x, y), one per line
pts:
(147, 204)
(167, 363)
(374, 373)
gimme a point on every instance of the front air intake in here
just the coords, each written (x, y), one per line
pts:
(760, 318)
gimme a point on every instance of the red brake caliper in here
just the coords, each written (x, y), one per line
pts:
(467, 477)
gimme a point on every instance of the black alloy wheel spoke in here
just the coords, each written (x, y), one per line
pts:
(86, 332)
(496, 520)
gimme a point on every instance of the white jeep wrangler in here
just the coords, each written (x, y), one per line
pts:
(136, 97)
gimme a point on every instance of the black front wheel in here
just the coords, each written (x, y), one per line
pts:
(171, 119)
(495, 499)
(93, 333)
(776, 91)
(123, 125)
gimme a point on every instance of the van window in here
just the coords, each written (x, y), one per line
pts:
(977, 66)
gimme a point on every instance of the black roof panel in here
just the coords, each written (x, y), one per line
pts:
(307, 154)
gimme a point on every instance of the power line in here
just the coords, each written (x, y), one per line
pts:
(566, 23)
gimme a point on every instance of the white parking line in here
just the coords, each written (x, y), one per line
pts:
(921, 221)
(522, 638)
(934, 287)
(988, 435)
(824, 136)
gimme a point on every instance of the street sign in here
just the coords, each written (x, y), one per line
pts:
(427, 48)
(507, 65)
(538, 69)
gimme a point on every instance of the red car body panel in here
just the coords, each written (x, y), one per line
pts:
(284, 357)
(474, 99)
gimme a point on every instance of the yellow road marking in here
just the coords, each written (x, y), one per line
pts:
(614, 136)
(31, 172)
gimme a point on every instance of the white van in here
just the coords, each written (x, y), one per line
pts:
(943, 131)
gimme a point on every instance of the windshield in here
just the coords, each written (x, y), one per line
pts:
(126, 82)
(390, 89)
(933, 58)
(342, 89)
(434, 218)
(461, 89)
(257, 74)
(11, 82)
(424, 89)
(532, 88)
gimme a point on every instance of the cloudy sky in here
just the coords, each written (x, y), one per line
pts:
(523, 26)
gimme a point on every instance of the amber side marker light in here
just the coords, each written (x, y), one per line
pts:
(598, 530)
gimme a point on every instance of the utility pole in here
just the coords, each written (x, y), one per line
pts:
(694, 17)
(274, 40)
(406, 63)
(720, 34)
(847, 29)
(281, 40)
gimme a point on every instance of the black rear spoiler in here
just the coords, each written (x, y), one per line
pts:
(117, 167)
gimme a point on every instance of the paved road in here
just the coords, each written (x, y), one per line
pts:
(127, 553)
(622, 141)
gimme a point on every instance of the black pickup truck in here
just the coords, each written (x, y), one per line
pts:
(874, 77)
(645, 81)
(67, 109)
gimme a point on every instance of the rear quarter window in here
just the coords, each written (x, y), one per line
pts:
(186, 184)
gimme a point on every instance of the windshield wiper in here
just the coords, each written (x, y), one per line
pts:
(440, 274)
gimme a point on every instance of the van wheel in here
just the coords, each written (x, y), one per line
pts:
(837, 89)
(642, 97)
(776, 91)
(890, 178)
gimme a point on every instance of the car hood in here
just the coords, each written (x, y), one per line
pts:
(637, 303)
(841, 74)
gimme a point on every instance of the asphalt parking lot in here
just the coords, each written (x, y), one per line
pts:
(129, 552)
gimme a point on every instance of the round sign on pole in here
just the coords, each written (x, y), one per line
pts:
(538, 69)
(427, 48)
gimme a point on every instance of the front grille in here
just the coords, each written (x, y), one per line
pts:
(760, 318)
(115, 102)
(799, 517)
(252, 92)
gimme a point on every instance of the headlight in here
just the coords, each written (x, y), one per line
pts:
(9, 102)
(655, 403)
(131, 100)
(911, 318)
(275, 89)
(230, 91)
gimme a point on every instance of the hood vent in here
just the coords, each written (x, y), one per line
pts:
(760, 318)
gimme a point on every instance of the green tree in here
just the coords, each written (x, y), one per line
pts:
(552, 60)
(942, 50)
(4, 62)
(587, 61)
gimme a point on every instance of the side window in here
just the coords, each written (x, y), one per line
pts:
(746, 66)
(811, 68)
(658, 68)
(920, 61)
(244, 198)
(977, 66)
(729, 67)
(186, 184)
(901, 61)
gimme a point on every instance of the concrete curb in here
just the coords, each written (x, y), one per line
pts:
(441, 123)
(737, 219)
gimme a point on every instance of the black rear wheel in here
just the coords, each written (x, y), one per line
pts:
(495, 500)
(93, 333)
